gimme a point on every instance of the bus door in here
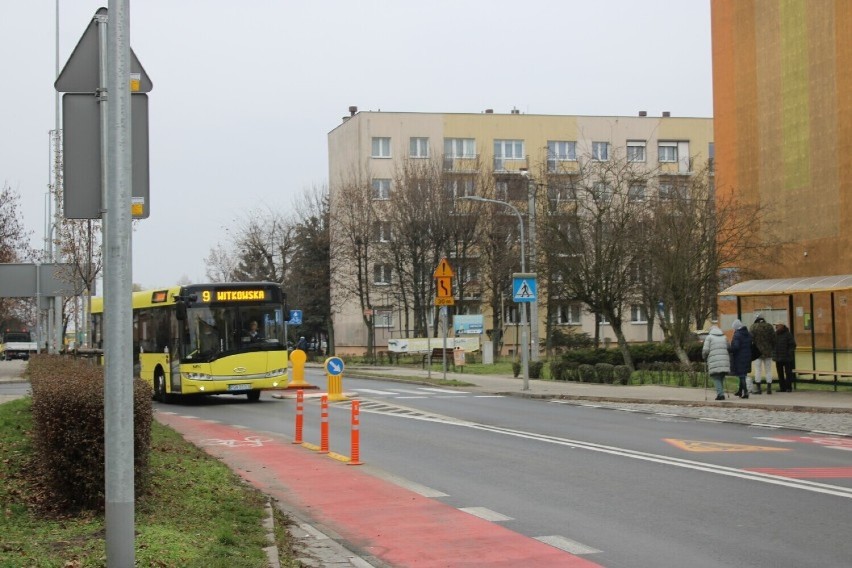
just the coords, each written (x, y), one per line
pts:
(175, 354)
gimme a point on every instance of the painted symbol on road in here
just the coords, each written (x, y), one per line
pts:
(807, 472)
(700, 446)
(250, 441)
(833, 442)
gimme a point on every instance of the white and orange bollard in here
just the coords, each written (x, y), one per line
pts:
(355, 457)
(300, 411)
(324, 424)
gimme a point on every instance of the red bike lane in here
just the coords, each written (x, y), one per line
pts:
(373, 516)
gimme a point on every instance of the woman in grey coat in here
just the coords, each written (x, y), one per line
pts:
(715, 352)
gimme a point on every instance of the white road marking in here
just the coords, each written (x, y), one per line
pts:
(568, 545)
(374, 391)
(443, 391)
(487, 514)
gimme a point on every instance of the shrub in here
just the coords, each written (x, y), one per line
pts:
(68, 432)
(516, 368)
(557, 369)
(604, 372)
(535, 369)
(586, 373)
(622, 374)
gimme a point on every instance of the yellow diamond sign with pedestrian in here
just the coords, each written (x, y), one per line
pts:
(444, 284)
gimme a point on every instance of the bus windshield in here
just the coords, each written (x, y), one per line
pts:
(213, 332)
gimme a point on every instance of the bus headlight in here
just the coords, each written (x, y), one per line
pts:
(276, 373)
(198, 376)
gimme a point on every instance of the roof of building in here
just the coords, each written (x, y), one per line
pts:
(781, 286)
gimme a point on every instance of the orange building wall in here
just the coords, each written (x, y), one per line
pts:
(782, 86)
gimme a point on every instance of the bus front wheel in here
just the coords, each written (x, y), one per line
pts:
(160, 386)
(253, 396)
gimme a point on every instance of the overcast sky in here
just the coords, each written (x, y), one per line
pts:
(245, 92)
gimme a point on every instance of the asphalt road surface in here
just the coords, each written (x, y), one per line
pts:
(619, 488)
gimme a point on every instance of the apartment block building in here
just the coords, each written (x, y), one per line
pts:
(782, 91)
(372, 148)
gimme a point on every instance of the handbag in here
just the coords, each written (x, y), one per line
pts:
(755, 352)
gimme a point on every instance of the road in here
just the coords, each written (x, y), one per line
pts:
(622, 489)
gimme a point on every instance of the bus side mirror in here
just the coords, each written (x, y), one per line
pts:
(180, 310)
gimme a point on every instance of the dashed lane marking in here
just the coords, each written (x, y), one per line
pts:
(487, 514)
(568, 545)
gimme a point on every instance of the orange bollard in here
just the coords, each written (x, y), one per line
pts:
(324, 425)
(355, 459)
(300, 410)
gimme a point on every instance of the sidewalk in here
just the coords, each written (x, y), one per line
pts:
(800, 400)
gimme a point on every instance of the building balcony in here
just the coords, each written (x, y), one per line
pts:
(466, 164)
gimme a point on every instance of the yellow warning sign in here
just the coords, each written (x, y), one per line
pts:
(699, 446)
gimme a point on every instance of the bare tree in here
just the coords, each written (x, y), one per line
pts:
(14, 239)
(264, 244)
(351, 246)
(418, 216)
(592, 239)
(221, 264)
(693, 239)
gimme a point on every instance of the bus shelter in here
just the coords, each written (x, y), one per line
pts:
(816, 309)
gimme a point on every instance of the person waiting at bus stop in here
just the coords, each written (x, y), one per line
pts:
(740, 356)
(302, 344)
(715, 352)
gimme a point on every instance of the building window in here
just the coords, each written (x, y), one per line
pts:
(501, 190)
(600, 151)
(638, 314)
(559, 151)
(667, 151)
(381, 188)
(602, 192)
(635, 150)
(383, 317)
(418, 148)
(381, 147)
(459, 148)
(507, 150)
(636, 192)
(511, 314)
(666, 190)
(568, 314)
(381, 274)
(382, 232)
(459, 187)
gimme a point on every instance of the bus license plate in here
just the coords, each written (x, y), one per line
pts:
(243, 387)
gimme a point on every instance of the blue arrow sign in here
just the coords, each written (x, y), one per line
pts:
(295, 317)
(524, 288)
(334, 366)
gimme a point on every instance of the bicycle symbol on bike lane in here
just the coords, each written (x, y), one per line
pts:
(248, 441)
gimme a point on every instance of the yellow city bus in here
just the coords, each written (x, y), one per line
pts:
(198, 339)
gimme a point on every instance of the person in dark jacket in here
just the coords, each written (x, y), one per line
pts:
(740, 350)
(785, 356)
(763, 335)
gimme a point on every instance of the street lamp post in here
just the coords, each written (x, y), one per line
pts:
(525, 361)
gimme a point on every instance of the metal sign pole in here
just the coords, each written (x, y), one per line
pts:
(118, 316)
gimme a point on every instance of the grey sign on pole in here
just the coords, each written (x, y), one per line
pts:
(82, 126)
(22, 280)
(81, 71)
(81, 147)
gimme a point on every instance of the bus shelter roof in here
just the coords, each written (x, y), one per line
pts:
(781, 286)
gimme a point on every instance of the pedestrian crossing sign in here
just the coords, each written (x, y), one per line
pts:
(524, 287)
